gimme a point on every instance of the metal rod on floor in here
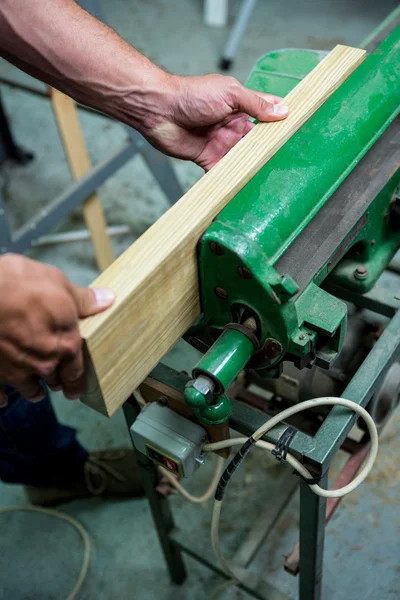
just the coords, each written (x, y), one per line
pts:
(76, 236)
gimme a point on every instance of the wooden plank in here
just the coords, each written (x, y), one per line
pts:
(153, 390)
(78, 158)
(156, 279)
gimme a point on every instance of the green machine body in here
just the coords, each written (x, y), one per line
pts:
(258, 309)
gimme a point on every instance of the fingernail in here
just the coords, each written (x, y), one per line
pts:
(55, 388)
(280, 109)
(73, 396)
(37, 398)
(104, 296)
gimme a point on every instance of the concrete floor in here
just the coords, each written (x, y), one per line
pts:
(40, 557)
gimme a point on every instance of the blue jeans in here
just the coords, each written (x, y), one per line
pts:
(35, 449)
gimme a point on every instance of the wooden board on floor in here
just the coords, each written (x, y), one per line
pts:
(78, 158)
(156, 279)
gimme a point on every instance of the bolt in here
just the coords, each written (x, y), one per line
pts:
(205, 386)
(163, 400)
(221, 292)
(302, 337)
(360, 272)
(373, 242)
(216, 248)
(271, 349)
(244, 272)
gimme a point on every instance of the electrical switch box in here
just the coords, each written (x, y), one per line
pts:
(169, 439)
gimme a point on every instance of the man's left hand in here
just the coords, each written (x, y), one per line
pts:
(202, 118)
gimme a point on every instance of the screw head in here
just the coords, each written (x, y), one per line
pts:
(216, 248)
(360, 272)
(244, 272)
(221, 292)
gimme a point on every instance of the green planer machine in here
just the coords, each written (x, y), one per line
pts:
(320, 220)
(295, 305)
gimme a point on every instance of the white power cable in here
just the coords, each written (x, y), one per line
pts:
(327, 401)
(79, 528)
(196, 499)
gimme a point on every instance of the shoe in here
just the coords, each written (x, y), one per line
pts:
(107, 473)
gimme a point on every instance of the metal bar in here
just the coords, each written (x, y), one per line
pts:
(378, 300)
(25, 87)
(66, 202)
(239, 28)
(382, 31)
(337, 425)
(246, 419)
(264, 591)
(312, 534)
(159, 505)
(346, 475)
(160, 165)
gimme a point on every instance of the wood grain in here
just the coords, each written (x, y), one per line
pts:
(156, 279)
(78, 158)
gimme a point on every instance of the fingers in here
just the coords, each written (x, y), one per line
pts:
(3, 397)
(269, 97)
(71, 373)
(90, 301)
(262, 107)
(31, 389)
(53, 381)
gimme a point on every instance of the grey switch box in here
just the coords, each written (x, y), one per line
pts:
(169, 439)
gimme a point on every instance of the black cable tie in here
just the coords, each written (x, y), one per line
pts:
(231, 468)
(282, 446)
(310, 480)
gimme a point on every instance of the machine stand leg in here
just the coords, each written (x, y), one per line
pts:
(159, 506)
(312, 534)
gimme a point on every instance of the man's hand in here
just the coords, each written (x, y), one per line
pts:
(202, 118)
(39, 334)
(195, 118)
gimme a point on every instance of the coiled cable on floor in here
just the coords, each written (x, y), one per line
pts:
(79, 528)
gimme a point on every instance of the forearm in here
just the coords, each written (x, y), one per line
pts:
(61, 44)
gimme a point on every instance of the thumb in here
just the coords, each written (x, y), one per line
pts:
(262, 107)
(90, 301)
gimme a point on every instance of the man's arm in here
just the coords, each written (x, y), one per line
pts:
(195, 118)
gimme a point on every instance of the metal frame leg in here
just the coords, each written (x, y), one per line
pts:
(159, 506)
(312, 536)
(159, 165)
(237, 33)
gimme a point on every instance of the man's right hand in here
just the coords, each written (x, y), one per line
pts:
(39, 333)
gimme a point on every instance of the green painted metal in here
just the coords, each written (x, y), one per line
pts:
(229, 355)
(261, 222)
(231, 352)
(216, 413)
(281, 70)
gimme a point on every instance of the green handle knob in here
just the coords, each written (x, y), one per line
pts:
(194, 398)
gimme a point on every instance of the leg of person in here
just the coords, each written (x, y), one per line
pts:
(45, 456)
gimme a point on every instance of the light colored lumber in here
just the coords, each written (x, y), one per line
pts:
(156, 279)
(78, 158)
